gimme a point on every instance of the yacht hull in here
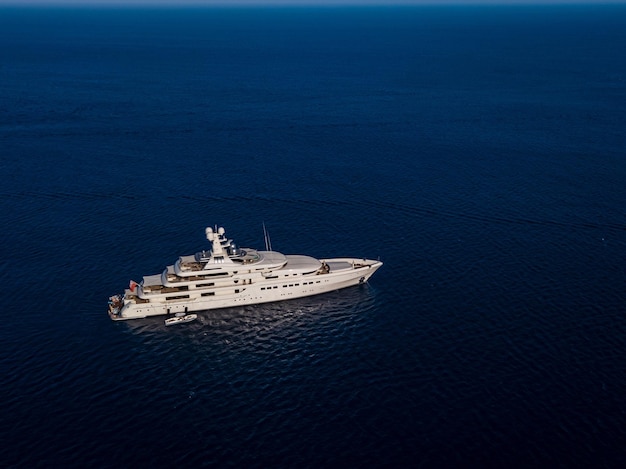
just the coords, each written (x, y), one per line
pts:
(267, 291)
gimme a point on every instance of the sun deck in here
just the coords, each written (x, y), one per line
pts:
(339, 265)
(301, 264)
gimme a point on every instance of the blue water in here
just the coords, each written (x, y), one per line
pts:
(479, 152)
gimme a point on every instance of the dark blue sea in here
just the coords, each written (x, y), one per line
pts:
(480, 152)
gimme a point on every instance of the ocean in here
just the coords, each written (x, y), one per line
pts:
(479, 152)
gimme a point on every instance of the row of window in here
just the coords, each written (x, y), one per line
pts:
(211, 293)
(291, 285)
(287, 275)
(180, 297)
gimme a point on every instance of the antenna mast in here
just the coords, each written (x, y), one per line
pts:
(268, 242)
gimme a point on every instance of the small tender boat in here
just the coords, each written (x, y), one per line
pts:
(180, 319)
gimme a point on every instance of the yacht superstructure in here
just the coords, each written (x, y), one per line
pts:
(227, 276)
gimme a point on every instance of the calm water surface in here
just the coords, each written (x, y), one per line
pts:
(479, 152)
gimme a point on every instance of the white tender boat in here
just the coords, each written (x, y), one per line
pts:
(181, 319)
(228, 276)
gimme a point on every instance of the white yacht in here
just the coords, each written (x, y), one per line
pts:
(227, 276)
